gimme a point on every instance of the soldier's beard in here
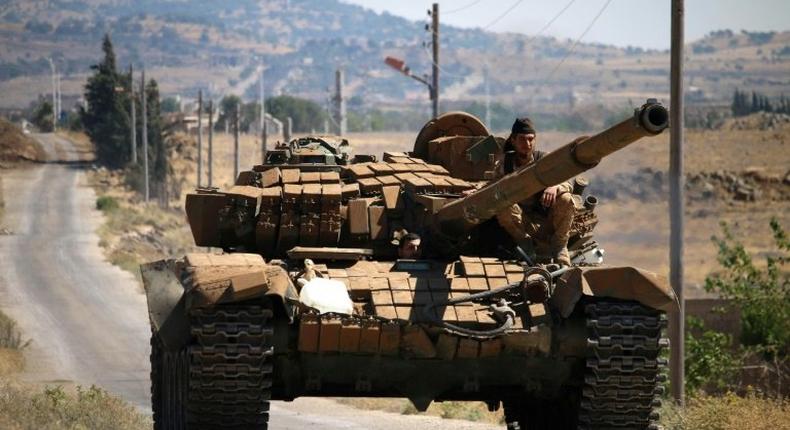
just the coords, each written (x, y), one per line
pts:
(522, 159)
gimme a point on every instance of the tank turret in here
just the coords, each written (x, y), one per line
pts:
(459, 216)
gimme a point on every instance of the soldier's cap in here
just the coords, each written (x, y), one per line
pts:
(523, 126)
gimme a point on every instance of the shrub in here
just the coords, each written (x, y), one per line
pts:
(763, 294)
(106, 203)
(710, 362)
(10, 337)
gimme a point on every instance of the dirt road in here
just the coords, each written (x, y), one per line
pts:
(87, 318)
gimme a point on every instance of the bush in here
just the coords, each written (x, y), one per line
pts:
(106, 204)
(763, 294)
(10, 337)
(710, 361)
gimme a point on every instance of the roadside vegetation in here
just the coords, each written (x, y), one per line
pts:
(718, 362)
(26, 406)
(134, 233)
(22, 407)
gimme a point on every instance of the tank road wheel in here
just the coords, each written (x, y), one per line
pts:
(169, 372)
(230, 367)
(624, 367)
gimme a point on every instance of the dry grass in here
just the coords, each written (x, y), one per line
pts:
(23, 407)
(728, 412)
(11, 344)
(470, 411)
(16, 146)
(11, 361)
(134, 232)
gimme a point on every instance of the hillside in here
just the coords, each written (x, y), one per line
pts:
(17, 146)
(191, 44)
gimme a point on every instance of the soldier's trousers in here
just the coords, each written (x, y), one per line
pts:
(554, 229)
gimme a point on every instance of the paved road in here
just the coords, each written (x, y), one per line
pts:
(87, 318)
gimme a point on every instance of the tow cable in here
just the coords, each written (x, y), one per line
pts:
(501, 310)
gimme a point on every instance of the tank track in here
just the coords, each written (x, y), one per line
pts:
(624, 368)
(169, 372)
(230, 368)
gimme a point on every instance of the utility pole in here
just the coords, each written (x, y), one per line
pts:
(288, 129)
(147, 193)
(263, 119)
(58, 103)
(488, 97)
(200, 139)
(340, 104)
(676, 203)
(435, 45)
(134, 115)
(236, 143)
(54, 96)
(210, 143)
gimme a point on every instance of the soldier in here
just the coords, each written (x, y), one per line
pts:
(547, 214)
(409, 246)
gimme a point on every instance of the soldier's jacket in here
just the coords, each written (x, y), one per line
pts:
(532, 204)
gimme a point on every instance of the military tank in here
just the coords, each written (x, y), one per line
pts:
(309, 298)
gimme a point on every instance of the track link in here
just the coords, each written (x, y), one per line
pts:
(624, 366)
(230, 368)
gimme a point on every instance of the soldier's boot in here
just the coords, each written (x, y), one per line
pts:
(561, 213)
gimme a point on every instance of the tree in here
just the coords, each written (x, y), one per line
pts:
(42, 116)
(158, 162)
(106, 118)
(227, 108)
(306, 115)
(156, 142)
(170, 105)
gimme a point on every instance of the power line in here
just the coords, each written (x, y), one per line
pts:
(573, 47)
(462, 7)
(499, 18)
(548, 24)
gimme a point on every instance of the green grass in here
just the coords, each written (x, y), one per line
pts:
(24, 407)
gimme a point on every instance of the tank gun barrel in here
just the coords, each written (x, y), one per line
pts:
(459, 216)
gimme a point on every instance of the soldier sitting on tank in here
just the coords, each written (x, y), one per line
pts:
(409, 246)
(544, 220)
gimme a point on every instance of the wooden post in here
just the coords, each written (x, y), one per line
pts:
(435, 39)
(200, 139)
(147, 192)
(235, 143)
(134, 115)
(676, 203)
(210, 143)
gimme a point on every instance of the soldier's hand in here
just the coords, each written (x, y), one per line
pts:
(549, 196)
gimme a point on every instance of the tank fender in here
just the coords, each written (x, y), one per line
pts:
(212, 279)
(626, 283)
(166, 303)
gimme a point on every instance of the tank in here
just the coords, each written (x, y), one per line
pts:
(308, 296)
